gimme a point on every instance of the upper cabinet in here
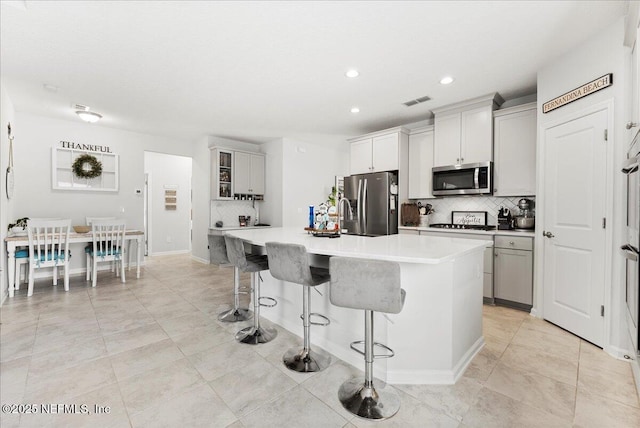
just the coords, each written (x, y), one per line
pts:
(221, 174)
(380, 151)
(249, 173)
(420, 163)
(514, 169)
(464, 131)
(235, 174)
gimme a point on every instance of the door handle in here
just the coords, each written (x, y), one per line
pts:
(631, 165)
(548, 234)
(631, 124)
(630, 252)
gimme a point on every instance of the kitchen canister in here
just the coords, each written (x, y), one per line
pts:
(424, 220)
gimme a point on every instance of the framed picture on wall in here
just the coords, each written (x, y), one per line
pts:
(63, 176)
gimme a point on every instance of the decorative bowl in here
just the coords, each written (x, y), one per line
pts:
(82, 229)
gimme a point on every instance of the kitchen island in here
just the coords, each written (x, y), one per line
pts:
(439, 330)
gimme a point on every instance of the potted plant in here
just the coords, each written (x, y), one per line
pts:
(19, 226)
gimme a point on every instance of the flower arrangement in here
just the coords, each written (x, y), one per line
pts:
(21, 223)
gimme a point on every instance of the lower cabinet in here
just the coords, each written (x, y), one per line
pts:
(514, 271)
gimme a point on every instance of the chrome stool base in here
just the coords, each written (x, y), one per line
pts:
(254, 336)
(235, 315)
(306, 361)
(368, 402)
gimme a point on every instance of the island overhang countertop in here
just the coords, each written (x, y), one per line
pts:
(397, 248)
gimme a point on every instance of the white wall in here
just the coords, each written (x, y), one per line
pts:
(169, 230)
(597, 56)
(308, 174)
(271, 208)
(201, 197)
(36, 135)
(7, 115)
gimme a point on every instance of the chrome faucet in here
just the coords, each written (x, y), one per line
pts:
(341, 212)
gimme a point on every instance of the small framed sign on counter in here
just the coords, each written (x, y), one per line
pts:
(469, 217)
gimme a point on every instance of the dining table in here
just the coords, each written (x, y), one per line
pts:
(16, 241)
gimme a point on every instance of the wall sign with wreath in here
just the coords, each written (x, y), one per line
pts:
(87, 166)
(74, 169)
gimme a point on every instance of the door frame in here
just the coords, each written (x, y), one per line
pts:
(538, 301)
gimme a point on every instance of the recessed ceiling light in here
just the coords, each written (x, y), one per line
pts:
(355, 110)
(352, 73)
(446, 80)
(89, 116)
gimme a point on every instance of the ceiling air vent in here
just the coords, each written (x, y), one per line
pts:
(80, 107)
(417, 101)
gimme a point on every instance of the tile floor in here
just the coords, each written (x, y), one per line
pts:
(153, 351)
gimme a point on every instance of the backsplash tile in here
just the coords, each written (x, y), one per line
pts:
(490, 204)
(228, 212)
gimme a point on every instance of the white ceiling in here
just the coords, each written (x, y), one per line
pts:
(255, 71)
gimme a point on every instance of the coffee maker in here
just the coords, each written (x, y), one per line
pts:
(505, 222)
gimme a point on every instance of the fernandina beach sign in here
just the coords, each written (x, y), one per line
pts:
(85, 147)
(584, 90)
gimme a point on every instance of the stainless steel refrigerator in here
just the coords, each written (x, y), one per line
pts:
(373, 199)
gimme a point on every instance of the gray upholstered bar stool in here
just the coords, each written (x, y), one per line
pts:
(290, 262)
(253, 264)
(372, 285)
(218, 255)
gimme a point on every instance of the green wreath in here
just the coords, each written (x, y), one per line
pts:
(94, 163)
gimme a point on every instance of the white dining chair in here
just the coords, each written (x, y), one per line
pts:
(22, 258)
(108, 246)
(49, 248)
(89, 220)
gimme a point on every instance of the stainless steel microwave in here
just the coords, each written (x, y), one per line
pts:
(468, 179)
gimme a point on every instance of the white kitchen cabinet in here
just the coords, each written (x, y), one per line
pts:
(420, 163)
(464, 131)
(514, 271)
(380, 151)
(361, 152)
(514, 167)
(221, 174)
(487, 283)
(249, 173)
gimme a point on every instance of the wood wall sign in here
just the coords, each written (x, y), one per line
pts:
(582, 91)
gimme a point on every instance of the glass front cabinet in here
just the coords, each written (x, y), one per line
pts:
(221, 174)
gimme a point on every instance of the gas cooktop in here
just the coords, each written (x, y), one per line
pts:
(462, 226)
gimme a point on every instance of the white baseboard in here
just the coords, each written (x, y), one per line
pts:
(169, 253)
(200, 259)
(617, 352)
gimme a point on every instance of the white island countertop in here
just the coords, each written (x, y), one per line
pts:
(398, 248)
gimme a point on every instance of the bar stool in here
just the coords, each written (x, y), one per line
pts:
(372, 285)
(253, 264)
(218, 255)
(290, 262)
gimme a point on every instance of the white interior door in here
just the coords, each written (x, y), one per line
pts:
(574, 209)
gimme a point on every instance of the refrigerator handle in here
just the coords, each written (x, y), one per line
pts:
(364, 207)
(359, 202)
